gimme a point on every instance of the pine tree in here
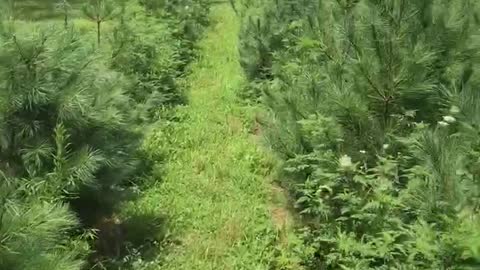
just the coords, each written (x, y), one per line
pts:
(65, 134)
(69, 129)
(368, 107)
(348, 64)
(65, 7)
(99, 11)
(34, 231)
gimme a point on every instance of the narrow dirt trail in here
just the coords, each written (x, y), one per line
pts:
(216, 193)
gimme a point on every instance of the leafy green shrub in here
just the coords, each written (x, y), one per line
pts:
(396, 214)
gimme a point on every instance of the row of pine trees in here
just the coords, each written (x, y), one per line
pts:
(74, 105)
(373, 106)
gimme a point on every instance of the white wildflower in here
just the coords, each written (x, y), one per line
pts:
(443, 124)
(454, 110)
(363, 152)
(449, 119)
(386, 146)
(410, 113)
(345, 162)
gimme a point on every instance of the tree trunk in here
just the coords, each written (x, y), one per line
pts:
(98, 32)
(65, 20)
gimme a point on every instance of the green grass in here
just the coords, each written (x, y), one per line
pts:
(45, 9)
(215, 187)
(215, 191)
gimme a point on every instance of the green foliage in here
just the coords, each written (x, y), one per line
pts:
(188, 16)
(71, 128)
(217, 205)
(145, 50)
(65, 7)
(52, 114)
(66, 137)
(33, 231)
(99, 11)
(373, 108)
(45, 9)
(152, 48)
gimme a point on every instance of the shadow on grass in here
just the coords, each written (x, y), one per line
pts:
(143, 237)
(128, 231)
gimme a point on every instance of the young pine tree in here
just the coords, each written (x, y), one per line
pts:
(379, 64)
(36, 233)
(368, 107)
(65, 137)
(65, 7)
(99, 11)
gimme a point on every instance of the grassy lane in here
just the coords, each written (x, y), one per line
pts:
(214, 192)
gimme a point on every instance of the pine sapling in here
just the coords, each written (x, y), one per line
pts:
(64, 6)
(99, 11)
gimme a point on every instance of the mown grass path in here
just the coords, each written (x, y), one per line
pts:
(214, 192)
